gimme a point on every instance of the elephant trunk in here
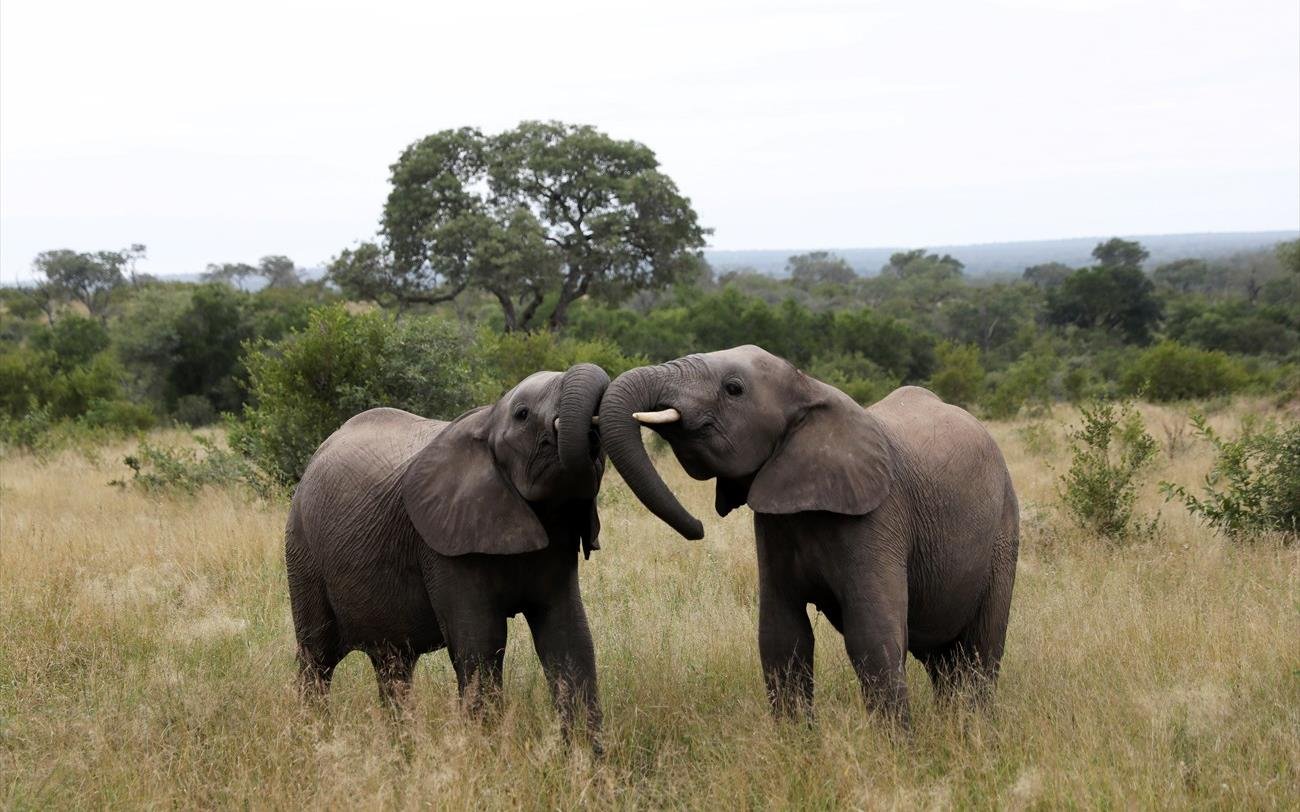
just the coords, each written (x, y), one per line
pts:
(639, 390)
(581, 388)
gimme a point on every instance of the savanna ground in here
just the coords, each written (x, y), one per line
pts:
(146, 659)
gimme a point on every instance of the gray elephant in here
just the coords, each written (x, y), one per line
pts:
(898, 522)
(406, 535)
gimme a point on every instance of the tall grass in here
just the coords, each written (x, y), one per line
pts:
(146, 659)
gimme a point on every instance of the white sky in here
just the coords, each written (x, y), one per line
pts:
(231, 130)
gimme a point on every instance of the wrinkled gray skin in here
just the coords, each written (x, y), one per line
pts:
(898, 522)
(407, 535)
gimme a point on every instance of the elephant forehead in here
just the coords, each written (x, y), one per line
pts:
(748, 358)
(535, 385)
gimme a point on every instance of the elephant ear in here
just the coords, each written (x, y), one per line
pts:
(586, 525)
(836, 458)
(461, 502)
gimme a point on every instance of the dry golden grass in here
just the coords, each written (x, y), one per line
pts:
(146, 660)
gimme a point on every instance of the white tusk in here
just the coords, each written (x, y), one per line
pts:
(655, 418)
(556, 424)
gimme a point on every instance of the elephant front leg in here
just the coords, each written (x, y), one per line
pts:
(875, 637)
(477, 645)
(785, 647)
(563, 642)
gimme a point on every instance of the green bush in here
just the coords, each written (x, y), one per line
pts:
(1026, 384)
(187, 470)
(1172, 371)
(122, 416)
(508, 358)
(73, 340)
(305, 386)
(194, 411)
(73, 393)
(958, 376)
(1255, 482)
(24, 381)
(856, 375)
(1109, 451)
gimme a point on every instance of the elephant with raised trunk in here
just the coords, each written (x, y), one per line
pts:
(406, 535)
(898, 522)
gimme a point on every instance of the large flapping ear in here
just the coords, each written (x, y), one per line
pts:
(459, 499)
(731, 494)
(586, 525)
(834, 457)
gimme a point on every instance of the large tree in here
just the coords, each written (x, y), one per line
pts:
(1121, 299)
(542, 214)
(89, 278)
(1117, 253)
(819, 267)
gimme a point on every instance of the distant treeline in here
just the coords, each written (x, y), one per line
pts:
(549, 244)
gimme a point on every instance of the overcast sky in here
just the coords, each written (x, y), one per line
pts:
(228, 131)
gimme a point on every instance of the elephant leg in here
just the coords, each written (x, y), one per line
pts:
(394, 666)
(477, 645)
(952, 670)
(968, 667)
(875, 637)
(785, 647)
(317, 633)
(562, 639)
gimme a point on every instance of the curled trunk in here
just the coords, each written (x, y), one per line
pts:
(640, 390)
(580, 391)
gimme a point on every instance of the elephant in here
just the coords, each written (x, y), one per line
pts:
(898, 522)
(407, 534)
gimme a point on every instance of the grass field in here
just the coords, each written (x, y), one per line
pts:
(146, 659)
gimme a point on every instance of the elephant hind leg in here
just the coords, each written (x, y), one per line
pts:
(394, 666)
(968, 666)
(958, 672)
(317, 631)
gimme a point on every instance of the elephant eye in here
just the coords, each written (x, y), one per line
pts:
(521, 413)
(734, 388)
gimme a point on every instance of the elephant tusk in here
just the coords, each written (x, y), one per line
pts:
(656, 418)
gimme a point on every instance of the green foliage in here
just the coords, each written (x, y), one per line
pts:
(187, 470)
(24, 381)
(309, 383)
(958, 376)
(1109, 451)
(544, 213)
(1235, 326)
(1112, 298)
(194, 411)
(1038, 437)
(73, 340)
(1118, 253)
(856, 375)
(1182, 275)
(1288, 253)
(819, 268)
(1254, 485)
(209, 337)
(1024, 384)
(88, 278)
(508, 358)
(1171, 371)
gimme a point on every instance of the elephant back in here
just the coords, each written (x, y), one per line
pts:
(357, 471)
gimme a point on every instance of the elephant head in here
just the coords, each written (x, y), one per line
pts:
(484, 483)
(772, 436)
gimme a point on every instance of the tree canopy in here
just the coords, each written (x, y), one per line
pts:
(545, 213)
(819, 268)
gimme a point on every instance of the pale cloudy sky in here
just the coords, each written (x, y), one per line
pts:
(226, 131)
